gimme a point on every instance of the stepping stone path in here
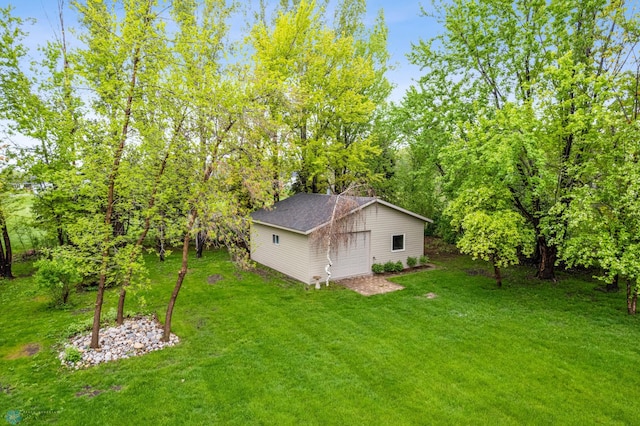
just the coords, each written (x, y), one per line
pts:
(137, 336)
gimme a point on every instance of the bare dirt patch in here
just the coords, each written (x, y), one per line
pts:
(90, 392)
(212, 279)
(436, 248)
(369, 285)
(30, 349)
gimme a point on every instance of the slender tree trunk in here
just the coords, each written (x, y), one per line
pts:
(95, 331)
(498, 275)
(200, 239)
(143, 234)
(183, 271)
(7, 259)
(547, 259)
(632, 298)
(2, 262)
(614, 286)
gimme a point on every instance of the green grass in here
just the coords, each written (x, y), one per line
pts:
(267, 351)
(22, 235)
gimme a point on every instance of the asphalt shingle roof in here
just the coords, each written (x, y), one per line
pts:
(304, 212)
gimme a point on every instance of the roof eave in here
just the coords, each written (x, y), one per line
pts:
(284, 228)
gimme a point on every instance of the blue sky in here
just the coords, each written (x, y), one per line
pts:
(403, 19)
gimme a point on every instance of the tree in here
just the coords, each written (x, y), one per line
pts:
(120, 61)
(214, 153)
(603, 225)
(320, 88)
(490, 231)
(528, 82)
(6, 254)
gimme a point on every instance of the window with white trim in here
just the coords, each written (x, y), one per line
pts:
(275, 238)
(397, 242)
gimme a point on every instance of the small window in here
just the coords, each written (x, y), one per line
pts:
(397, 242)
(275, 238)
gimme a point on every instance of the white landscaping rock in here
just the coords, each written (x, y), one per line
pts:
(137, 336)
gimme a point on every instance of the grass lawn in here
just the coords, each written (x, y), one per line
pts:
(22, 235)
(258, 350)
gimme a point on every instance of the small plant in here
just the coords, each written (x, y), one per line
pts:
(389, 266)
(72, 354)
(377, 268)
(423, 260)
(398, 266)
(412, 261)
(58, 274)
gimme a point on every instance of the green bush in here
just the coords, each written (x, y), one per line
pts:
(389, 266)
(72, 354)
(58, 274)
(398, 267)
(423, 260)
(412, 261)
(377, 268)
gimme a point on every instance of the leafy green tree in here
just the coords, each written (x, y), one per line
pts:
(490, 231)
(519, 90)
(121, 60)
(320, 88)
(603, 225)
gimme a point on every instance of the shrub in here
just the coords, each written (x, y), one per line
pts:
(377, 268)
(412, 261)
(398, 267)
(423, 260)
(72, 354)
(57, 274)
(389, 266)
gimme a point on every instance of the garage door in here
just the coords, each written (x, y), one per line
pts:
(352, 259)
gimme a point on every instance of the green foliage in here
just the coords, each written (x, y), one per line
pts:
(393, 266)
(423, 260)
(58, 273)
(377, 268)
(520, 112)
(321, 86)
(412, 261)
(72, 354)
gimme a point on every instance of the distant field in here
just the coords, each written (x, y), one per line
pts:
(259, 350)
(21, 232)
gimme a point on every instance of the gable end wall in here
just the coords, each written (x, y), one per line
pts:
(384, 222)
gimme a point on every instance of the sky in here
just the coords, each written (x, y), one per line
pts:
(403, 18)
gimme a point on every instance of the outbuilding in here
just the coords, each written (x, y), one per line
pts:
(294, 235)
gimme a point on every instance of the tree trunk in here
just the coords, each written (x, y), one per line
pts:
(143, 234)
(181, 275)
(547, 259)
(613, 287)
(120, 315)
(200, 239)
(95, 330)
(7, 259)
(1, 259)
(498, 275)
(632, 298)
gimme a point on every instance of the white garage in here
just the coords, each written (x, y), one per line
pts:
(287, 236)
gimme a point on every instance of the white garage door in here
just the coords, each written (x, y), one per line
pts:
(352, 259)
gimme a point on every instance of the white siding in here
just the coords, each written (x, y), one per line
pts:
(348, 260)
(386, 222)
(298, 257)
(290, 256)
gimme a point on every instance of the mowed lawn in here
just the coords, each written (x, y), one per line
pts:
(258, 349)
